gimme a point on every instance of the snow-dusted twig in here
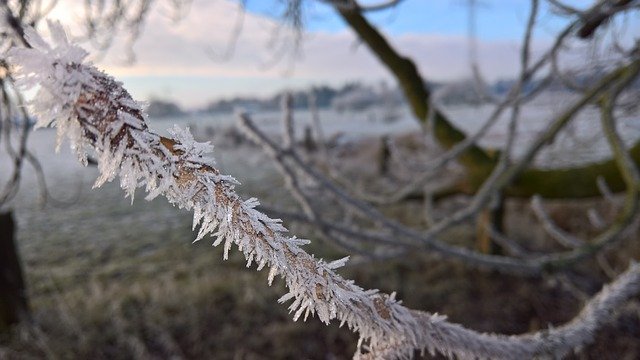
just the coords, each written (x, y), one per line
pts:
(97, 114)
(606, 192)
(508, 244)
(595, 219)
(559, 235)
(16, 152)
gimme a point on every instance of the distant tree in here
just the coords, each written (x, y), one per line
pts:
(163, 108)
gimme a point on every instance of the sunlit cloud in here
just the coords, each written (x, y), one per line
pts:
(191, 48)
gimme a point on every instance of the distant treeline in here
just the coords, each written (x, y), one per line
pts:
(325, 97)
(161, 108)
(359, 96)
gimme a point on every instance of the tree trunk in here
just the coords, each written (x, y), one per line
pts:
(491, 218)
(13, 295)
(415, 89)
(575, 182)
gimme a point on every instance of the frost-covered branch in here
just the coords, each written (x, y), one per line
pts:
(552, 343)
(97, 115)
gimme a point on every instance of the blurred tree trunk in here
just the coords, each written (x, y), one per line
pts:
(13, 295)
(491, 219)
(575, 182)
(415, 89)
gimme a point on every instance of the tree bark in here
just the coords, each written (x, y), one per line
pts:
(13, 296)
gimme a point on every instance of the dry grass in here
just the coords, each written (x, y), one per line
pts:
(153, 295)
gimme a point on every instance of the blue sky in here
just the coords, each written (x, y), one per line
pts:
(496, 20)
(174, 60)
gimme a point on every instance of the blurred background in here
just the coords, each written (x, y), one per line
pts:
(105, 277)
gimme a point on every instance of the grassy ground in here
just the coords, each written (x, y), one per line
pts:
(113, 281)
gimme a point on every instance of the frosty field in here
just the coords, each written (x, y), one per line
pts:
(110, 278)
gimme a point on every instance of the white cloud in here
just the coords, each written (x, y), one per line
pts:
(169, 49)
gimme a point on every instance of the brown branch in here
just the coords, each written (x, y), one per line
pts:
(599, 16)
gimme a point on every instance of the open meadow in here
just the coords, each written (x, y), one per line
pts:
(108, 278)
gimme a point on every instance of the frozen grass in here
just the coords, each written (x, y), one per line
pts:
(159, 297)
(101, 288)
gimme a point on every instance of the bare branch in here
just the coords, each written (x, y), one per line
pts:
(354, 5)
(552, 229)
(500, 178)
(599, 15)
(236, 30)
(564, 8)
